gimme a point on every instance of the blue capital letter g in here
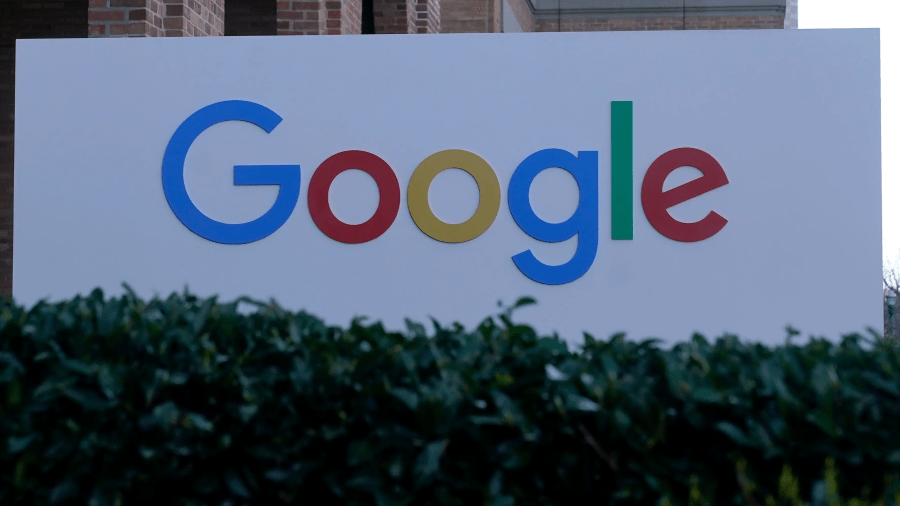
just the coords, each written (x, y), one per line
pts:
(287, 177)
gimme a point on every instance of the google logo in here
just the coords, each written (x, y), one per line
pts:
(583, 223)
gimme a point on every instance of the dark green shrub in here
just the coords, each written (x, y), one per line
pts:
(186, 401)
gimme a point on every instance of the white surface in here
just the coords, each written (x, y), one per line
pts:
(792, 116)
(883, 14)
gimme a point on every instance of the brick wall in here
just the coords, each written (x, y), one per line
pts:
(329, 17)
(423, 16)
(467, 16)
(194, 18)
(155, 18)
(434, 16)
(250, 17)
(607, 24)
(351, 17)
(390, 16)
(297, 17)
(340, 17)
(659, 23)
(734, 22)
(458, 15)
(326, 17)
(413, 23)
(497, 16)
(126, 18)
(24, 20)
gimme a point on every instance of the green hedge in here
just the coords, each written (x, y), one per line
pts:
(120, 401)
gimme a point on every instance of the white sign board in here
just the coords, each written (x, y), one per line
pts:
(654, 183)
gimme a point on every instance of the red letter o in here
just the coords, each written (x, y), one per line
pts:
(388, 197)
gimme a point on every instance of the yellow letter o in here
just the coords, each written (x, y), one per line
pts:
(488, 196)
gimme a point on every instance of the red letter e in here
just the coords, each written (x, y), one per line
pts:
(656, 202)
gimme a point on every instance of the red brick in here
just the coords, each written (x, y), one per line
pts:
(96, 30)
(173, 23)
(304, 6)
(127, 3)
(99, 16)
(128, 28)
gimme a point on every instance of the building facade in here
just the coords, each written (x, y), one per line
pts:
(24, 19)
